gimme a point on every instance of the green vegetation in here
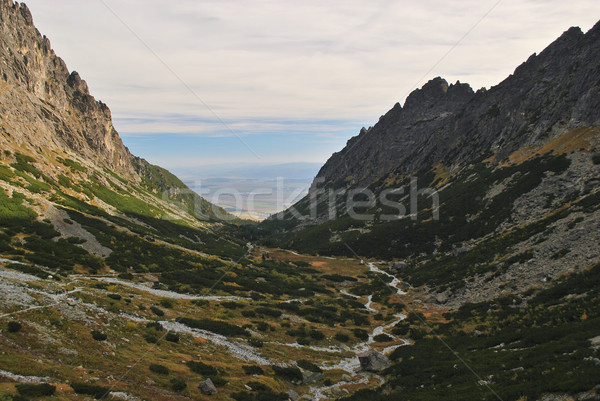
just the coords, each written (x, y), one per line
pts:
(157, 311)
(72, 164)
(36, 390)
(261, 392)
(405, 237)
(216, 326)
(98, 336)
(253, 370)
(311, 367)
(159, 369)
(178, 385)
(201, 368)
(14, 326)
(523, 352)
(98, 392)
(291, 374)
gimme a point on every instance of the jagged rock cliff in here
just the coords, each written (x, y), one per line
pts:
(45, 105)
(512, 172)
(48, 113)
(548, 95)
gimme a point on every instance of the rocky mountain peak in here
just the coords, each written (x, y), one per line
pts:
(77, 83)
(546, 96)
(59, 101)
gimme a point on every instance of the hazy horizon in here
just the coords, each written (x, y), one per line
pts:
(193, 83)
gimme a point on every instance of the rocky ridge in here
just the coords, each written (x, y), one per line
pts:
(48, 113)
(45, 105)
(548, 95)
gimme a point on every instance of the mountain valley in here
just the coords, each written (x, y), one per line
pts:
(449, 252)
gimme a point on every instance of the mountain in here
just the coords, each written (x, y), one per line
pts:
(486, 206)
(49, 114)
(117, 282)
(547, 96)
(473, 191)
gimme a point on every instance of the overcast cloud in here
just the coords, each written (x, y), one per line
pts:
(287, 76)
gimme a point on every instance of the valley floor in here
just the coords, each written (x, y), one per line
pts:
(112, 333)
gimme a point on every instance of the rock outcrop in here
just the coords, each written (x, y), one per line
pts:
(373, 361)
(208, 387)
(548, 95)
(46, 105)
(47, 111)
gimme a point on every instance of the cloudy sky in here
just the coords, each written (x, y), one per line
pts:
(201, 82)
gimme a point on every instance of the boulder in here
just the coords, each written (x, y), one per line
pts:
(441, 298)
(208, 387)
(293, 395)
(373, 361)
(595, 341)
(398, 266)
(309, 377)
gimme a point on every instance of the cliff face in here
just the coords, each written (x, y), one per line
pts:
(49, 114)
(548, 95)
(46, 107)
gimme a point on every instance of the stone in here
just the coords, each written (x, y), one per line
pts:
(346, 378)
(207, 387)
(293, 395)
(398, 266)
(595, 341)
(309, 377)
(441, 298)
(373, 361)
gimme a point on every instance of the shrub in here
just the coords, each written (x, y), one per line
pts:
(125, 276)
(260, 395)
(343, 338)
(97, 392)
(253, 370)
(311, 367)
(361, 334)
(255, 342)
(157, 311)
(262, 326)
(151, 338)
(159, 369)
(98, 336)
(202, 368)
(256, 296)
(178, 384)
(154, 325)
(382, 338)
(35, 390)
(116, 297)
(596, 158)
(218, 381)
(268, 312)
(172, 337)
(167, 303)
(291, 374)
(258, 386)
(216, 326)
(14, 326)
(248, 313)
(232, 305)
(316, 335)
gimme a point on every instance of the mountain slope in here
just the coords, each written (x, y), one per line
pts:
(510, 181)
(48, 111)
(547, 96)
